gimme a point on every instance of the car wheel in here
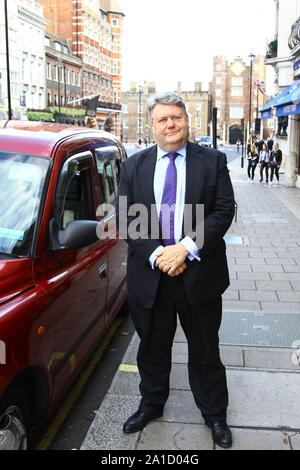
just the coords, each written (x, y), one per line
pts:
(13, 418)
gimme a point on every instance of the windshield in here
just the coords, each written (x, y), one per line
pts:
(22, 179)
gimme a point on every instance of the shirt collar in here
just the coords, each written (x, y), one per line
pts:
(162, 153)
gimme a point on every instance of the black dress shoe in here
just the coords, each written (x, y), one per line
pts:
(221, 434)
(139, 420)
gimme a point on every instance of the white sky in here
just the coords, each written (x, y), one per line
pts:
(175, 40)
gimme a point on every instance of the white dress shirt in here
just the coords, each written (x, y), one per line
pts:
(159, 182)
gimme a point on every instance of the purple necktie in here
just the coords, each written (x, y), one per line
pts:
(167, 211)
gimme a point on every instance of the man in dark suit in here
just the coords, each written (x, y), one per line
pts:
(174, 271)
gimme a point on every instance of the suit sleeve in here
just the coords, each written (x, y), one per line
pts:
(143, 246)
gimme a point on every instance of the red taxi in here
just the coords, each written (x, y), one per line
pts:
(60, 285)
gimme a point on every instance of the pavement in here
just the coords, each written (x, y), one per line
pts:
(259, 337)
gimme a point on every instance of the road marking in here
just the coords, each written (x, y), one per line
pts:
(128, 368)
(77, 389)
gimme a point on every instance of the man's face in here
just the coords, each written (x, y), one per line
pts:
(170, 127)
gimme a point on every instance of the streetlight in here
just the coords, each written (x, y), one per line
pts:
(59, 61)
(250, 98)
(7, 61)
(140, 112)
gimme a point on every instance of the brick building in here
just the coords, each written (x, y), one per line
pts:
(93, 30)
(136, 122)
(231, 94)
(63, 72)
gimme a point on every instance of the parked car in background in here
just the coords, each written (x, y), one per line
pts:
(205, 141)
(61, 283)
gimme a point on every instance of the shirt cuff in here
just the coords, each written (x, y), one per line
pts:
(192, 248)
(152, 259)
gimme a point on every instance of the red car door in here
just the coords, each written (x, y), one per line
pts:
(75, 280)
(109, 161)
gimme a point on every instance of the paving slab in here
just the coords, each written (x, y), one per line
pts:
(173, 436)
(106, 432)
(248, 439)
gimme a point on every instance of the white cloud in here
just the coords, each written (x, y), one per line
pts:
(175, 40)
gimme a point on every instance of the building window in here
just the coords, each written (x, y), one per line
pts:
(218, 92)
(218, 104)
(125, 108)
(237, 81)
(198, 122)
(236, 112)
(23, 100)
(218, 80)
(47, 42)
(115, 23)
(48, 71)
(199, 107)
(125, 124)
(236, 91)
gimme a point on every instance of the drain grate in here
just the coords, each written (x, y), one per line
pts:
(259, 329)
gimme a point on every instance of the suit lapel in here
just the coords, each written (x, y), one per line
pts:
(194, 173)
(147, 174)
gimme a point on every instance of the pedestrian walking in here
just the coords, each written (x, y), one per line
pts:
(275, 163)
(264, 160)
(169, 274)
(238, 145)
(252, 162)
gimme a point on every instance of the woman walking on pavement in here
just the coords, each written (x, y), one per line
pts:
(252, 162)
(264, 160)
(275, 162)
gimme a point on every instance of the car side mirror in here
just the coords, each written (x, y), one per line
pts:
(77, 234)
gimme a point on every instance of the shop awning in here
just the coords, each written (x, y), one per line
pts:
(286, 102)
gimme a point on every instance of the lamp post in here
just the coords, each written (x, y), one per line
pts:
(7, 61)
(140, 112)
(58, 84)
(250, 91)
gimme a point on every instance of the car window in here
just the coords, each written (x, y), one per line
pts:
(21, 187)
(108, 166)
(73, 199)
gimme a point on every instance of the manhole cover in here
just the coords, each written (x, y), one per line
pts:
(275, 330)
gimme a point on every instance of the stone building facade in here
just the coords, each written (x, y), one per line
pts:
(231, 95)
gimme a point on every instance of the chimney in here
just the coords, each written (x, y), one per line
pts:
(133, 87)
(179, 87)
(198, 87)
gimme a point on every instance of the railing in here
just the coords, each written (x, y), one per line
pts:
(294, 38)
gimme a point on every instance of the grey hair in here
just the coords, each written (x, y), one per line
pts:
(166, 98)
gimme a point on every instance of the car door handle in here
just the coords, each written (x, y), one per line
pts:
(103, 271)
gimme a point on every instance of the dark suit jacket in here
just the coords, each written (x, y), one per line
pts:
(208, 183)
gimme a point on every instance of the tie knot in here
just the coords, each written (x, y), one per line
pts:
(172, 155)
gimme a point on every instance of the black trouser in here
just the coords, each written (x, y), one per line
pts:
(251, 170)
(265, 166)
(201, 325)
(276, 170)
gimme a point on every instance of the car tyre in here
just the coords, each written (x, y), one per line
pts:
(14, 413)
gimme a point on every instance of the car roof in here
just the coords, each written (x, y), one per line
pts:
(40, 138)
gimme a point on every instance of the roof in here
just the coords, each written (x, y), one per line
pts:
(111, 6)
(39, 138)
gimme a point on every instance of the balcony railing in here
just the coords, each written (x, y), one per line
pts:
(294, 38)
